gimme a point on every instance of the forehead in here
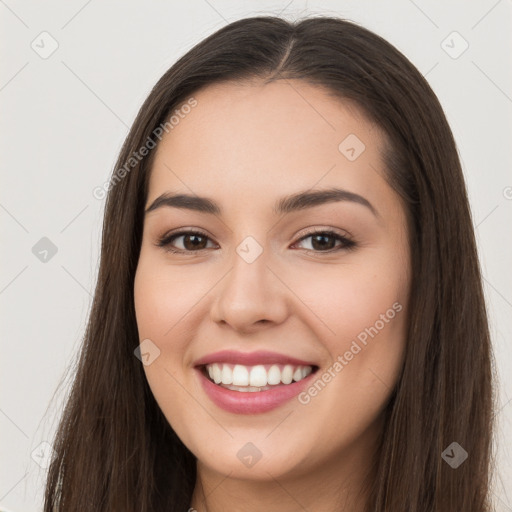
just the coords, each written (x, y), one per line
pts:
(268, 139)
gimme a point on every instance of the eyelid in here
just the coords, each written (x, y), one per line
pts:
(324, 229)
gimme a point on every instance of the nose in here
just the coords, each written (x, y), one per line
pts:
(252, 296)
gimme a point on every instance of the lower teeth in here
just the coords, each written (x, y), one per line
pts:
(250, 389)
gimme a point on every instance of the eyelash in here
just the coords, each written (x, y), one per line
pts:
(347, 243)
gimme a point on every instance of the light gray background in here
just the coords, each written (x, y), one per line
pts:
(64, 118)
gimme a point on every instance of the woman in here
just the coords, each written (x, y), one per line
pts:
(289, 311)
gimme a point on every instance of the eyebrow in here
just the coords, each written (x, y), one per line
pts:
(287, 204)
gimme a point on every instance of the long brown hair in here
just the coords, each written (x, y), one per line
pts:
(114, 448)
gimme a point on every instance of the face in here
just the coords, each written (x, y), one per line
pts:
(274, 279)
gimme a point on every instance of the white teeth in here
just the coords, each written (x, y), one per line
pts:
(245, 389)
(255, 378)
(258, 376)
(287, 374)
(240, 375)
(227, 374)
(274, 375)
(216, 374)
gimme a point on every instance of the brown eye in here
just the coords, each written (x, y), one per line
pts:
(320, 242)
(325, 241)
(191, 241)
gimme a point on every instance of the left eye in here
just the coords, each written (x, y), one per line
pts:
(320, 239)
(195, 241)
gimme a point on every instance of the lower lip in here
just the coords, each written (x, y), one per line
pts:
(247, 402)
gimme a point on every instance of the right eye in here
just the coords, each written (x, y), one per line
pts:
(192, 241)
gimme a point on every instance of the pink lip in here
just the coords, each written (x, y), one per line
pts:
(240, 402)
(250, 359)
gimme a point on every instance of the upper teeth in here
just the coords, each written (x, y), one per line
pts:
(257, 376)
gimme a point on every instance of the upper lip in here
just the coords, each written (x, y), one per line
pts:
(250, 358)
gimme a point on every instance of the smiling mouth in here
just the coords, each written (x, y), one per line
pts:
(262, 377)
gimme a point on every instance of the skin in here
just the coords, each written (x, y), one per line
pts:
(245, 146)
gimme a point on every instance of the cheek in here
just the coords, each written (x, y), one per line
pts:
(165, 305)
(163, 300)
(348, 299)
(363, 312)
